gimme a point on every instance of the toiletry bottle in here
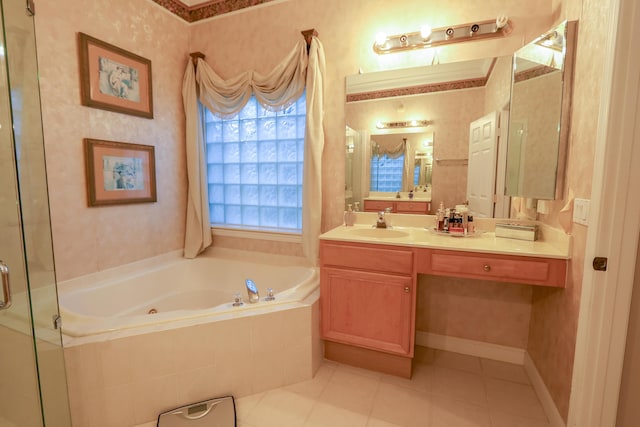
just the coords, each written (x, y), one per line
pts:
(348, 217)
(411, 194)
(440, 217)
(447, 214)
(356, 207)
(470, 225)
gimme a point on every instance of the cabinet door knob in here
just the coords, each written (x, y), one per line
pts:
(486, 267)
(407, 289)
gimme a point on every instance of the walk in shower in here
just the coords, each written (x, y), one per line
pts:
(33, 390)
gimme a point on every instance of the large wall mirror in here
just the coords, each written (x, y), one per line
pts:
(539, 116)
(457, 100)
(432, 158)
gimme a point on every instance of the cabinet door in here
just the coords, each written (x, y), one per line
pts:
(370, 310)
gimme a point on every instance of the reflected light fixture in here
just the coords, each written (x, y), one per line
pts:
(428, 37)
(403, 124)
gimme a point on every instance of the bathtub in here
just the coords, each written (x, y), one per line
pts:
(172, 289)
(197, 345)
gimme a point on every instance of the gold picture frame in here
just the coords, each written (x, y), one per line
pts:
(119, 172)
(113, 79)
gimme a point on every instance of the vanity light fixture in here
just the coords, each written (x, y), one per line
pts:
(405, 124)
(428, 37)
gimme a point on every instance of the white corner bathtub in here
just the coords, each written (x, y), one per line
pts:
(197, 345)
(169, 289)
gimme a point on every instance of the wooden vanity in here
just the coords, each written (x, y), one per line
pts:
(368, 290)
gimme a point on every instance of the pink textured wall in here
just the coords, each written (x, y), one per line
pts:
(91, 239)
(258, 39)
(554, 316)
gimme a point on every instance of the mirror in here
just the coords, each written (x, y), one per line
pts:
(539, 113)
(449, 97)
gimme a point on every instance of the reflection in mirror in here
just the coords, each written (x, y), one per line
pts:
(538, 121)
(451, 97)
(401, 162)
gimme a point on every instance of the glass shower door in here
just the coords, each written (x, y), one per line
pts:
(33, 391)
(19, 394)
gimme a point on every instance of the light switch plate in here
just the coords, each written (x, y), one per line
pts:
(581, 211)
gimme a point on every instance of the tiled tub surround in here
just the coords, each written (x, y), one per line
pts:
(128, 376)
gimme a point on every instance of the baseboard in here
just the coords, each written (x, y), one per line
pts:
(473, 348)
(555, 419)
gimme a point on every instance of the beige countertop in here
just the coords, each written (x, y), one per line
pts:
(407, 230)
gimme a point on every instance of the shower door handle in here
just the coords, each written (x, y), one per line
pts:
(6, 287)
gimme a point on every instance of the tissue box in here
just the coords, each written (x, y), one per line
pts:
(517, 231)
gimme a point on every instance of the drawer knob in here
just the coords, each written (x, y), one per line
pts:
(407, 289)
(486, 267)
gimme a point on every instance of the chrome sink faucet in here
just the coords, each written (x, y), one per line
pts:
(383, 219)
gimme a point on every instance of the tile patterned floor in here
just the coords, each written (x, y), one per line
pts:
(446, 390)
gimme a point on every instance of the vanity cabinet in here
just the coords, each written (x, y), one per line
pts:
(398, 206)
(367, 299)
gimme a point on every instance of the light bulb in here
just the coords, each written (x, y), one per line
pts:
(381, 39)
(425, 31)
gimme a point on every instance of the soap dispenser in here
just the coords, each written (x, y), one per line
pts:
(348, 217)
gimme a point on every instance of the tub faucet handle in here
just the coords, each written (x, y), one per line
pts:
(269, 296)
(237, 300)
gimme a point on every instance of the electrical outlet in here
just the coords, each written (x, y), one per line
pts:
(581, 211)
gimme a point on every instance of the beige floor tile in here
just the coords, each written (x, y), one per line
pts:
(350, 391)
(458, 361)
(504, 371)
(374, 422)
(399, 405)
(505, 420)
(461, 385)
(359, 371)
(420, 378)
(324, 415)
(315, 386)
(245, 405)
(447, 412)
(280, 408)
(515, 399)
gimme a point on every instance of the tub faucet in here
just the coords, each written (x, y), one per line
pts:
(383, 220)
(252, 291)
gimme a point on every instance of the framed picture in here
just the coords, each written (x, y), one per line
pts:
(119, 173)
(114, 79)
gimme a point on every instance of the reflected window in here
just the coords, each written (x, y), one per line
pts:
(386, 173)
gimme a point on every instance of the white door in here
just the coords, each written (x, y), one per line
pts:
(481, 175)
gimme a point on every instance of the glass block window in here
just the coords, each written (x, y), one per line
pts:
(386, 173)
(254, 165)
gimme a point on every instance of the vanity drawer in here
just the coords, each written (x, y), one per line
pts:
(412, 207)
(502, 268)
(367, 257)
(378, 205)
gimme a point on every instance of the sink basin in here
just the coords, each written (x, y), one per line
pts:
(379, 233)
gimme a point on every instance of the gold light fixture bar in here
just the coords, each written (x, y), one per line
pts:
(426, 37)
(405, 124)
